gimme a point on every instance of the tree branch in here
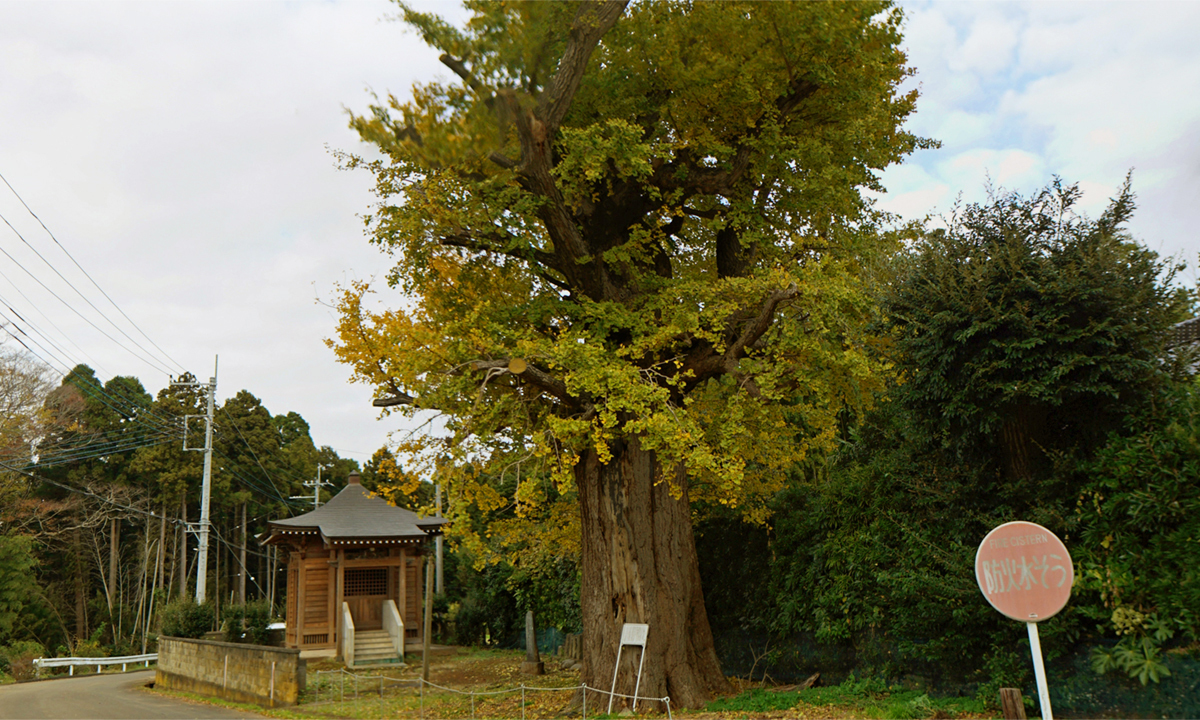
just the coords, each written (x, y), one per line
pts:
(394, 400)
(539, 261)
(757, 326)
(461, 70)
(473, 242)
(502, 160)
(535, 376)
(703, 361)
(591, 22)
(712, 180)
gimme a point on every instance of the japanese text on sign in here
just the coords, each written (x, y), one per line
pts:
(1011, 575)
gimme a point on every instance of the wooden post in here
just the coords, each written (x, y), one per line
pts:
(402, 603)
(1012, 704)
(337, 594)
(301, 583)
(427, 631)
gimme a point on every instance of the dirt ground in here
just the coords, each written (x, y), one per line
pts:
(472, 669)
(495, 670)
(487, 684)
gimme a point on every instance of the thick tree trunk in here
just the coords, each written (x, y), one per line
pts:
(640, 566)
(1021, 441)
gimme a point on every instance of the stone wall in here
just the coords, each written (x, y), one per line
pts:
(268, 676)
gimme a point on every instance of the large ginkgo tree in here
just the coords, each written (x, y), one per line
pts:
(629, 244)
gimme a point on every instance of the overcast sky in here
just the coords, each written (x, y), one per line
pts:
(180, 152)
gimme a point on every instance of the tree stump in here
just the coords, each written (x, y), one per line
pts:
(1012, 704)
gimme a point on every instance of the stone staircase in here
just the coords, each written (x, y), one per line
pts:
(374, 647)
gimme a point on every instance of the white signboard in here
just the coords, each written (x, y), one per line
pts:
(631, 634)
(634, 634)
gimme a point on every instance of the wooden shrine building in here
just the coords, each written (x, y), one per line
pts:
(350, 557)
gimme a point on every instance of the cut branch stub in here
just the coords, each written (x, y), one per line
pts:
(533, 375)
(394, 400)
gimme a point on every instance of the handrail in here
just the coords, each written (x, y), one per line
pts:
(347, 635)
(394, 624)
(71, 662)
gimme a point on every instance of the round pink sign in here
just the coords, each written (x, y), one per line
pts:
(1024, 571)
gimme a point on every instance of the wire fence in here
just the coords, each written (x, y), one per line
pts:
(328, 689)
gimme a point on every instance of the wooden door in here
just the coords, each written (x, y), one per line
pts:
(365, 591)
(314, 610)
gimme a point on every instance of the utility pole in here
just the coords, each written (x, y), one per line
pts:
(316, 485)
(206, 487)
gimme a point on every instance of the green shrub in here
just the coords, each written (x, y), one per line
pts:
(1139, 520)
(185, 619)
(17, 659)
(247, 623)
(93, 646)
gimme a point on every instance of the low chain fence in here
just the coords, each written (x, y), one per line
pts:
(335, 686)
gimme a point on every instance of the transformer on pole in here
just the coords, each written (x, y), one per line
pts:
(316, 485)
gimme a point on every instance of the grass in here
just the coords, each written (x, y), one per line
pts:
(491, 671)
(853, 698)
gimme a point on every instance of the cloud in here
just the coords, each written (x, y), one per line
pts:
(1025, 91)
(180, 152)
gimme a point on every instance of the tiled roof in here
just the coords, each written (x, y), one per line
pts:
(356, 517)
(1185, 333)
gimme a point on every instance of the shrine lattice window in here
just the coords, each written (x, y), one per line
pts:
(365, 581)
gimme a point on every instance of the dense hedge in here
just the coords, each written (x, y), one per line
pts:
(1032, 384)
(184, 618)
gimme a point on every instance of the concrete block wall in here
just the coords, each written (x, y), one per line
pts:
(268, 676)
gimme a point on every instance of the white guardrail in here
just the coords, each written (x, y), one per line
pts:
(71, 662)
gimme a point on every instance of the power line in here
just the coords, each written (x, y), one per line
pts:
(159, 422)
(45, 336)
(251, 483)
(88, 493)
(87, 275)
(149, 361)
(167, 427)
(66, 362)
(147, 411)
(252, 453)
(81, 453)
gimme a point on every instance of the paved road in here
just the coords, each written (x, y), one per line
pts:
(102, 697)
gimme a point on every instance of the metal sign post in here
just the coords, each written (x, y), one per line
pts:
(1025, 572)
(631, 634)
